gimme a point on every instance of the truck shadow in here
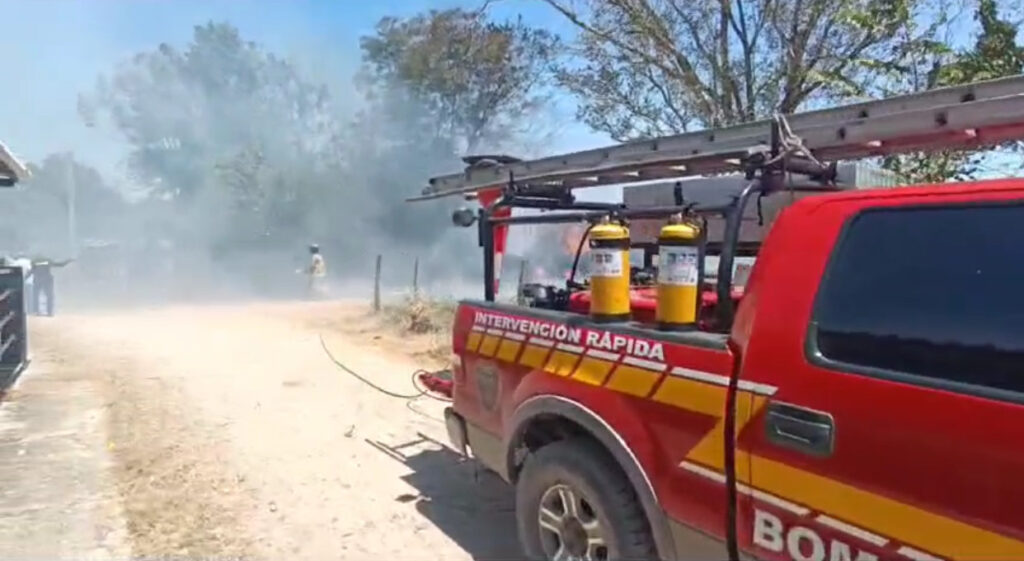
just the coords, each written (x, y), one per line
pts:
(472, 506)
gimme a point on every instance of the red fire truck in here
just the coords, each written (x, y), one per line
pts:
(861, 398)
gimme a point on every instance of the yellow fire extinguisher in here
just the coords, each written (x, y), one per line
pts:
(680, 264)
(609, 274)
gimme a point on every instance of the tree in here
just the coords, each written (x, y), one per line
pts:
(39, 209)
(655, 67)
(996, 53)
(185, 112)
(930, 63)
(438, 85)
(472, 79)
(226, 125)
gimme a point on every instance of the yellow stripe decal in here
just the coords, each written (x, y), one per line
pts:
(592, 371)
(509, 350)
(561, 363)
(909, 524)
(473, 341)
(691, 395)
(534, 356)
(488, 345)
(633, 380)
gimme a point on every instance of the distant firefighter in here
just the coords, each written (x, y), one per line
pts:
(317, 273)
(42, 273)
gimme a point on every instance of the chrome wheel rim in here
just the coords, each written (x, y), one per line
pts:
(569, 527)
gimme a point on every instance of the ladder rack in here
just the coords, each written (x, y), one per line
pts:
(969, 116)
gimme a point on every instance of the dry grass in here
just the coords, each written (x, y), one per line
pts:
(179, 501)
(420, 315)
(179, 497)
(416, 313)
(419, 327)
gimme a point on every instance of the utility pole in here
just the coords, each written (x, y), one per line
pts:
(71, 192)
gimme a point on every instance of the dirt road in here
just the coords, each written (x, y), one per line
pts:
(230, 433)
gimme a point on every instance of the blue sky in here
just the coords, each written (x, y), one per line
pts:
(57, 48)
(54, 49)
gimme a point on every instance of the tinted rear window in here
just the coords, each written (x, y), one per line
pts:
(932, 292)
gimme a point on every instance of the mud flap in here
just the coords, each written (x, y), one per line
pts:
(456, 426)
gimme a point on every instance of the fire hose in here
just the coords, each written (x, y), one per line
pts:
(436, 382)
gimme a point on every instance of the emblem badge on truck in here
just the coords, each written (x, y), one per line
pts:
(487, 383)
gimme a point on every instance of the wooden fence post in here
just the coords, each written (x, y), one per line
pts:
(376, 286)
(416, 277)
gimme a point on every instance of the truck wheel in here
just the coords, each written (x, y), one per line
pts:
(573, 503)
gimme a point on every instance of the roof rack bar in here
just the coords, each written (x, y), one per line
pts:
(587, 216)
(965, 116)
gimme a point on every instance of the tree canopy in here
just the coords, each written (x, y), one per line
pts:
(931, 63)
(37, 212)
(439, 85)
(248, 147)
(245, 146)
(474, 79)
(642, 68)
(187, 111)
(649, 67)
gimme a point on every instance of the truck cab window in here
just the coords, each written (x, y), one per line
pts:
(933, 293)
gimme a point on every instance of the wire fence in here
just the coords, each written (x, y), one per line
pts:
(401, 277)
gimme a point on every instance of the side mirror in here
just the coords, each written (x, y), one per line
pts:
(463, 217)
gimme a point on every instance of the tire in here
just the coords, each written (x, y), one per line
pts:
(607, 522)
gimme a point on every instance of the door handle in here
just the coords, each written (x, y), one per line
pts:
(800, 429)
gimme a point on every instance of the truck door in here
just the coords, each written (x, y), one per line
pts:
(897, 425)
